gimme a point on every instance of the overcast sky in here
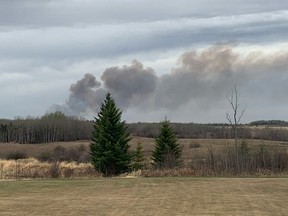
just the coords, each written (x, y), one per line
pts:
(158, 58)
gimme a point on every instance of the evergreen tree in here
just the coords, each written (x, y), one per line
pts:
(138, 158)
(110, 137)
(167, 151)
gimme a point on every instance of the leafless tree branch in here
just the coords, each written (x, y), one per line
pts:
(234, 120)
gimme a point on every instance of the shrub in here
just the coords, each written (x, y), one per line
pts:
(194, 145)
(45, 156)
(55, 171)
(283, 161)
(68, 173)
(16, 155)
(58, 153)
(71, 155)
(84, 158)
(81, 148)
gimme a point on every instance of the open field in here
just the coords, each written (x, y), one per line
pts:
(200, 157)
(189, 150)
(145, 196)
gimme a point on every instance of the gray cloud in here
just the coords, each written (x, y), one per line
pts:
(111, 40)
(47, 45)
(67, 13)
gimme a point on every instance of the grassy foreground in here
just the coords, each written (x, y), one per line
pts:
(145, 196)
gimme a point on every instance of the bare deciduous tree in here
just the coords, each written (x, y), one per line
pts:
(236, 116)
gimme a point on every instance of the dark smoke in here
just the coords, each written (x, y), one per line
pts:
(202, 77)
(85, 96)
(130, 85)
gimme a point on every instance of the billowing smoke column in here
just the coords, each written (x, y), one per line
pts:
(201, 77)
(86, 96)
(130, 85)
(204, 77)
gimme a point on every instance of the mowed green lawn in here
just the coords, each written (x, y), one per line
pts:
(145, 196)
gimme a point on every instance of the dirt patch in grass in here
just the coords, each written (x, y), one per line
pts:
(146, 196)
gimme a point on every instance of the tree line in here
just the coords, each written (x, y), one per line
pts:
(56, 127)
(52, 127)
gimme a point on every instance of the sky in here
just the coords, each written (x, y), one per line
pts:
(175, 59)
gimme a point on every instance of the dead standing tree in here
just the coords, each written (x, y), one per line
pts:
(234, 119)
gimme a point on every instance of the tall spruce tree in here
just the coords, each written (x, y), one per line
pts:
(110, 137)
(167, 151)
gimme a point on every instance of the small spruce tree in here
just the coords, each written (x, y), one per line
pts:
(167, 152)
(138, 158)
(110, 137)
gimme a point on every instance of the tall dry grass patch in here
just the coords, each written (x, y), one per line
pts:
(32, 168)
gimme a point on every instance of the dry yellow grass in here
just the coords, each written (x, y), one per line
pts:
(32, 168)
(192, 157)
(146, 196)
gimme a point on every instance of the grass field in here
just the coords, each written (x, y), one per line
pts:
(145, 196)
(34, 150)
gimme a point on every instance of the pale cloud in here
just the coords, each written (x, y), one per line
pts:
(111, 40)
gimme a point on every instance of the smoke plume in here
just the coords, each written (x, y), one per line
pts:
(201, 77)
(85, 96)
(130, 85)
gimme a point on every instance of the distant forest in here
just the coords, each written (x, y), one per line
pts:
(56, 127)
